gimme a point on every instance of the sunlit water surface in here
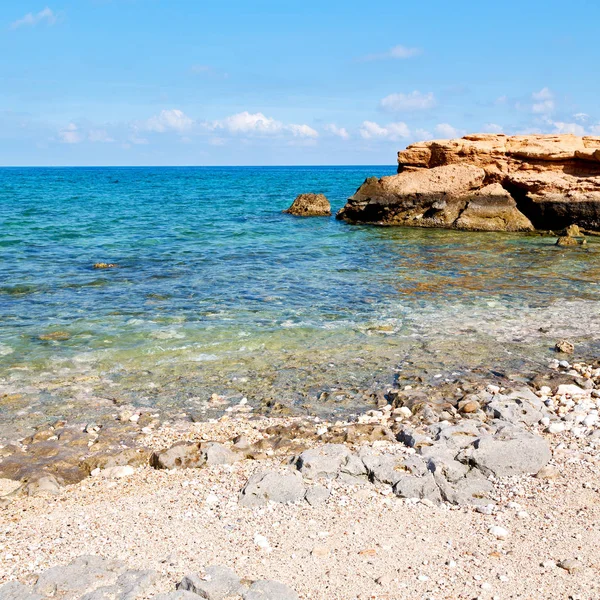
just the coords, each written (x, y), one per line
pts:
(217, 291)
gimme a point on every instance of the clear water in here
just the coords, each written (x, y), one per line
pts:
(217, 291)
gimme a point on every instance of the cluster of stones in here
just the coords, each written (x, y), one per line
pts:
(452, 451)
(577, 406)
(97, 578)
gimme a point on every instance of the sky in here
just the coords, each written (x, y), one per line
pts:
(274, 82)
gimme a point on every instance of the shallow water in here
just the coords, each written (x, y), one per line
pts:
(218, 291)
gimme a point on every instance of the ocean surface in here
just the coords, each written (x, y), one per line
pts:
(218, 291)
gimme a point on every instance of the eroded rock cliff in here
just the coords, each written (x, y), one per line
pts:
(487, 182)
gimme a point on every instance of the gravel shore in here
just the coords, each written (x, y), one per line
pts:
(532, 537)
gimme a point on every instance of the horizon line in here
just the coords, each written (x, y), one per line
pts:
(189, 166)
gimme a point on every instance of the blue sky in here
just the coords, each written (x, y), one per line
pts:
(260, 82)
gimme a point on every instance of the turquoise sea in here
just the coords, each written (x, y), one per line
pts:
(217, 291)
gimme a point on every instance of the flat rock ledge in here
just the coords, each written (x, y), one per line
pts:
(98, 578)
(487, 182)
(310, 205)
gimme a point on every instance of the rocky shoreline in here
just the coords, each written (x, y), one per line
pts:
(463, 446)
(487, 182)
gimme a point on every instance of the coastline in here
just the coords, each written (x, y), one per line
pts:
(179, 521)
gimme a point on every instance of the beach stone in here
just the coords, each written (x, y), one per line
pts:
(323, 462)
(82, 576)
(317, 495)
(177, 595)
(441, 462)
(180, 456)
(565, 346)
(129, 586)
(271, 486)
(411, 486)
(218, 583)
(455, 436)
(510, 451)
(269, 590)
(218, 454)
(354, 467)
(571, 565)
(516, 410)
(13, 590)
(383, 468)
(40, 485)
(310, 205)
(118, 472)
(187, 456)
(472, 489)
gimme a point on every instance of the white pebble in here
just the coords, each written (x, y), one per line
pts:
(498, 532)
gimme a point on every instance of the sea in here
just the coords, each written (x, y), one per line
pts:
(217, 291)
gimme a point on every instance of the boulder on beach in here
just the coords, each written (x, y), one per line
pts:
(488, 182)
(310, 205)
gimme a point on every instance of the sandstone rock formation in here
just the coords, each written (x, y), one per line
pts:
(310, 205)
(487, 182)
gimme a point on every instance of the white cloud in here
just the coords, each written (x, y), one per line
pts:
(448, 132)
(303, 131)
(501, 100)
(169, 120)
(391, 131)
(30, 19)
(408, 102)
(397, 52)
(581, 117)
(595, 129)
(259, 124)
(493, 128)
(99, 135)
(574, 128)
(339, 131)
(246, 122)
(70, 134)
(422, 135)
(543, 102)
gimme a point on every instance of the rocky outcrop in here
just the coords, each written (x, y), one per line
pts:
(487, 183)
(310, 205)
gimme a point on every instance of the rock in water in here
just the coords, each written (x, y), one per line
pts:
(488, 182)
(565, 347)
(310, 205)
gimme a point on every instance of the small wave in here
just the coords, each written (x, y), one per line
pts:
(204, 357)
(5, 350)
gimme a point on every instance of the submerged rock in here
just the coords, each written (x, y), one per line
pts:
(565, 347)
(310, 205)
(488, 182)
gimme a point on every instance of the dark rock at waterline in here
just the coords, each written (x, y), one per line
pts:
(310, 205)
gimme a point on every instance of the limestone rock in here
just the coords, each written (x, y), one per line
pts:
(488, 182)
(510, 451)
(317, 495)
(310, 205)
(325, 461)
(13, 590)
(177, 595)
(186, 456)
(271, 486)
(217, 583)
(269, 590)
